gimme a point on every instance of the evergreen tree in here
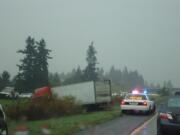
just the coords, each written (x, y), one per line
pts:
(101, 74)
(115, 75)
(127, 79)
(169, 85)
(4, 80)
(54, 79)
(125, 76)
(26, 69)
(41, 68)
(19, 83)
(90, 72)
(164, 84)
(33, 71)
(158, 86)
(78, 77)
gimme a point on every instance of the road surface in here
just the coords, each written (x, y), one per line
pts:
(120, 126)
(148, 128)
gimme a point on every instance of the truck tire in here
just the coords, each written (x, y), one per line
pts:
(124, 112)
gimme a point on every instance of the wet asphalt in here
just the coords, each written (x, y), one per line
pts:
(123, 125)
(150, 128)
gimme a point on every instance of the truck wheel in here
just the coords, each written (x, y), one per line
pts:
(124, 112)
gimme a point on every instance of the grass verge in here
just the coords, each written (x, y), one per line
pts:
(160, 99)
(7, 102)
(69, 124)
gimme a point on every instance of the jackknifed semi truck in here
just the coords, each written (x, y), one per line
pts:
(92, 93)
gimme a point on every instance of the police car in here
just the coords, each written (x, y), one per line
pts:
(137, 102)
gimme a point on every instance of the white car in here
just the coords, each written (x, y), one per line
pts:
(25, 95)
(138, 102)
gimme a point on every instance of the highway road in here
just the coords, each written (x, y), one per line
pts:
(148, 128)
(120, 126)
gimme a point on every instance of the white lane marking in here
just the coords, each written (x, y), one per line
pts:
(137, 130)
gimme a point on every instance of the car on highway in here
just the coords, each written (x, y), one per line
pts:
(5, 95)
(177, 93)
(168, 119)
(137, 102)
(3, 124)
(25, 95)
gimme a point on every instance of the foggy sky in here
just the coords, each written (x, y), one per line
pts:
(143, 35)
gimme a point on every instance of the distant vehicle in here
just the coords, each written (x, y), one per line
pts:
(123, 94)
(5, 95)
(137, 102)
(168, 120)
(3, 124)
(25, 95)
(177, 93)
(88, 93)
(114, 94)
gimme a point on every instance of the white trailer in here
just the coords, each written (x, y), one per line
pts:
(88, 93)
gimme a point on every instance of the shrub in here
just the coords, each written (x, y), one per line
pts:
(43, 108)
(117, 100)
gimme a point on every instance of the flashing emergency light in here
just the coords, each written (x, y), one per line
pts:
(135, 92)
(145, 91)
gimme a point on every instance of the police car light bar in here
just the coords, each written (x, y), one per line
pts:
(138, 91)
(135, 92)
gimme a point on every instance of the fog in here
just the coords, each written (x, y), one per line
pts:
(139, 34)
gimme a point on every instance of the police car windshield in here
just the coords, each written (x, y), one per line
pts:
(136, 97)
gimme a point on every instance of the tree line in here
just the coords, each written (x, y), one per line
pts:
(79, 75)
(33, 70)
(125, 78)
(4, 80)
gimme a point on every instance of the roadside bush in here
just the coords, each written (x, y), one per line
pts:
(117, 100)
(43, 108)
(164, 91)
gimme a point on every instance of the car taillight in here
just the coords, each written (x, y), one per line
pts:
(122, 102)
(145, 103)
(166, 116)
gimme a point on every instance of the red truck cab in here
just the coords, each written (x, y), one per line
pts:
(44, 91)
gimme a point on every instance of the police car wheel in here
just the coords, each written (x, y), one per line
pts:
(148, 111)
(154, 109)
(124, 111)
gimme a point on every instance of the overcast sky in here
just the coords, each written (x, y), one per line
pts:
(140, 34)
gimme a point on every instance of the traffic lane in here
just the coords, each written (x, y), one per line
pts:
(121, 126)
(148, 128)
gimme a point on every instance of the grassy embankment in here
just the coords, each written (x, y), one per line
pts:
(65, 125)
(160, 99)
